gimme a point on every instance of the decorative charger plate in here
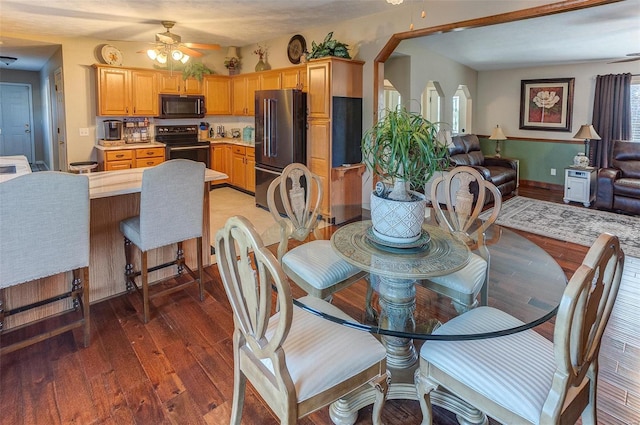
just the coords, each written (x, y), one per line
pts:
(111, 55)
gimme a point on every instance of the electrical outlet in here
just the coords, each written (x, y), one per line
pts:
(84, 131)
(553, 171)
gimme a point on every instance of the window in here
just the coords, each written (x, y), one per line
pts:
(635, 109)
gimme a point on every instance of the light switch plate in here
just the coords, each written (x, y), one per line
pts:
(84, 131)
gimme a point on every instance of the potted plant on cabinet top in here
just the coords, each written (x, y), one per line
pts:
(402, 150)
(196, 70)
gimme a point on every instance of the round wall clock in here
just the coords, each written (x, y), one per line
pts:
(111, 55)
(296, 47)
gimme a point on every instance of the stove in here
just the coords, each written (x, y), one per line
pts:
(182, 142)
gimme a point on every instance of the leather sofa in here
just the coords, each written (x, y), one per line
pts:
(619, 185)
(465, 150)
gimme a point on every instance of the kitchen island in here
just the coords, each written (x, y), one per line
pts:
(115, 195)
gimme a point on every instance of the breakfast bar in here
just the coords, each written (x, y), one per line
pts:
(115, 195)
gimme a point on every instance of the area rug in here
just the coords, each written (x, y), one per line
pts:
(569, 223)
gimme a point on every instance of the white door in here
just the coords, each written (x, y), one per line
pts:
(16, 120)
(59, 121)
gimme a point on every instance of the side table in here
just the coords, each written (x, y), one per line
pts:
(580, 185)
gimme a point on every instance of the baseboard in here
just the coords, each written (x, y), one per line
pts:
(542, 185)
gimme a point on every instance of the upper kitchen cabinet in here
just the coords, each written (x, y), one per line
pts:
(294, 78)
(271, 80)
(172, 83)
(244, 88)
(331, 77)
(126, 92)
(217, 94)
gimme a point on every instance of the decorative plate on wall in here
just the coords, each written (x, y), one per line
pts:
(111, 55)
(296, 47)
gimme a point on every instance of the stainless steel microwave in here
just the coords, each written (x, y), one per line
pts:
(177, 106)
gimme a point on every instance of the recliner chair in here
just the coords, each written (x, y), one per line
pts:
(619, 185)
(502, 172)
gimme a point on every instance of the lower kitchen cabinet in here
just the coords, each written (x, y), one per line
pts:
(236, 161)
(243, 164)
(221, 161)
(121, 159)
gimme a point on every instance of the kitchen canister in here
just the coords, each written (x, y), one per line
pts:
(247, 134)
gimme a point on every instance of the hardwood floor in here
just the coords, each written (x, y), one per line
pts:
(178, 368)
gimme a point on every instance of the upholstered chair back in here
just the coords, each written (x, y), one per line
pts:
(626, 157)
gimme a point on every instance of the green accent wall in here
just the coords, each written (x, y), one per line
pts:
(537, 158)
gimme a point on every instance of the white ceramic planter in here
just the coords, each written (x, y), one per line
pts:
(398, 221)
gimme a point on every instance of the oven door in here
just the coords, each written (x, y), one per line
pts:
(199, 153)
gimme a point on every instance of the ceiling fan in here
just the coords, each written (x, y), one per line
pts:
(170, 45)
(632, 57)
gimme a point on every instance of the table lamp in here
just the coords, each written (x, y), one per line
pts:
(587, 132)
(498, 136)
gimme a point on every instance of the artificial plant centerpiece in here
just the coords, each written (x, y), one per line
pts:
(328, 47)
(196, 70)
(403, 152)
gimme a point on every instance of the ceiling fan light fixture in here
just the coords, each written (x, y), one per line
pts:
(185, 58)
(176, 54)
(7, 60)
(152, 53)
(162, 58)
(395, 2)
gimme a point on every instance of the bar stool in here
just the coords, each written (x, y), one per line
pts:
(171, 204)
(44, 231)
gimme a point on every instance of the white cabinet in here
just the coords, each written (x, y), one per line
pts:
(580, 185)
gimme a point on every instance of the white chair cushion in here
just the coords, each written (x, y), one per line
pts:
(345, 351)
(318, 264)
(515, 370)
(467, 280)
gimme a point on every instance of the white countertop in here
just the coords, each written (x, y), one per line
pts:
(231, 141)
(121, 182)
(131, 146)
(21, 164)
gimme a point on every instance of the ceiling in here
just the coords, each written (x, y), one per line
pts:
(598, 33)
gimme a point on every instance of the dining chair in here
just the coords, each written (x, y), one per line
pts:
(523, 377)
(44, 232)
(463, 191)
(171, 212)
(296, 360)
(313, 266)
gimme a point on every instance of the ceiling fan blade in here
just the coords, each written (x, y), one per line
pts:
(202, 46)
(626, 60)
(190, 52)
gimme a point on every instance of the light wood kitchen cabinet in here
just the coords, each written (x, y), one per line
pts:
(172, 83)
(270, 80)
(328, 78)
(121, 159)
(243, 167)
(126, 92)
(217, 94)
(244, 88)
(221, 160)
(148, 157)
(294, 78)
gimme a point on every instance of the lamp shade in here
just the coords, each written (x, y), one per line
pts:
(497, 134)
(233, 52)
(587, 132)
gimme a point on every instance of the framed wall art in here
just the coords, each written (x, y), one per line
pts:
(546, 104)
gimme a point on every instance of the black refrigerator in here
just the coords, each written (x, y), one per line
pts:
(281, 136)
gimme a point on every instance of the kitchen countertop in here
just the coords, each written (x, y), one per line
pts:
(229, 140)
(121, 182)
(131, 146)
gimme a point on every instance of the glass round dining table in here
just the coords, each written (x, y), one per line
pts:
(524, 281)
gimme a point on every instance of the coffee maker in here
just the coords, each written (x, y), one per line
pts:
(112, 130)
